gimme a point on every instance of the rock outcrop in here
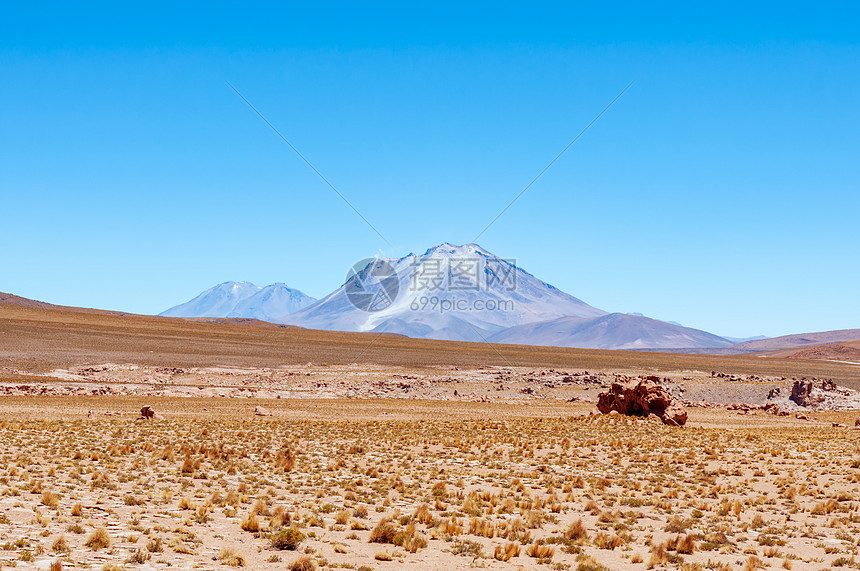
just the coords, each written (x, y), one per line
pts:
(770, 408)
(812, 393)
(642, 397)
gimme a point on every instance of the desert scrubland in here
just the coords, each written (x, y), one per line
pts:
(280, 448)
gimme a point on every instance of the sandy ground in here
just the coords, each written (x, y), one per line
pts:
(452, 484)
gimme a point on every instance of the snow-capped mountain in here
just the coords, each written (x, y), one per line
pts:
(450, 292)
(243, 299)
(272, 303)
(612, 331)
(461, 293)
(217, 301)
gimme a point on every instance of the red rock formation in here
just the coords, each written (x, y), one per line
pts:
(642, 398)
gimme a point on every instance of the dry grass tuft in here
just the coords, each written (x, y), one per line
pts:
(231, 558)
(507, 552)
(99, 539)
(303, 564)
(250, 523)
(540, 551)
(50, 499)
(576, 531)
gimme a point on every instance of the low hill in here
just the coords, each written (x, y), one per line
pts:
(798, 340)
(612, 331)
(848, 351)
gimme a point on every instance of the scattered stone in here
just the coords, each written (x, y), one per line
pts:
(147, 413)
(771, 408)
(262, 411)
(801, 416)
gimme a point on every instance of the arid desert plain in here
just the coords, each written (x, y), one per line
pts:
(281, 448)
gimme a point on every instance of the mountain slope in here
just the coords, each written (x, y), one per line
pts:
(612, 331)
(271, 303)
(243, 299)
(452, 292)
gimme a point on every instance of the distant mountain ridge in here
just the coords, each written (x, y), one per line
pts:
(459, 293)
(243, 299)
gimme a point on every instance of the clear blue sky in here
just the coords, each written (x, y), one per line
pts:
(721, 191)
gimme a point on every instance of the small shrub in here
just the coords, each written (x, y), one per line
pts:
(287, 539)
(467, 548)
(154, 546)
(139, 557)
(384, 532)
(60, 545)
